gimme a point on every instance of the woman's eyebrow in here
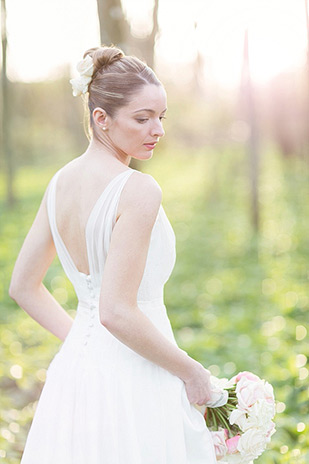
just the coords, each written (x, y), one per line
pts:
(148, 109)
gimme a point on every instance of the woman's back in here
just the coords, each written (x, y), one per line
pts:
(79, 186)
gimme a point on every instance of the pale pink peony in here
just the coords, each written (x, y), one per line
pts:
(218, 439)
(248, 392)
(232, 443)
(247, 375)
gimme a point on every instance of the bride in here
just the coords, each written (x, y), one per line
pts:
(119, 390)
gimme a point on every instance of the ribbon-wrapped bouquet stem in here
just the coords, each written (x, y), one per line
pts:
(240, 422)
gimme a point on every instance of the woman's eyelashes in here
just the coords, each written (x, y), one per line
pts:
(143, 120)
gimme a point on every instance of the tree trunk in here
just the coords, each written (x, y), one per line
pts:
(114, 28)
(250, 116)
(6, 151)
(306, 154)
(147, 45)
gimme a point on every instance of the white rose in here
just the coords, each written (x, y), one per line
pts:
(238, 417)
(252, 443)
(236, 459)
(221, 383)
(260, 415)
(85, 66)
(271, 430)
(268, 391)
(80, 85)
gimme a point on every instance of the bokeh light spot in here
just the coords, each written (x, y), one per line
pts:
(280, 407)
(14, 427)
(303, 373)
(16, 371)
(41, 374)
(61, 295)
(16, 348)
(300, 427)
(229, 368)
(301, 332)
(301, 360)
(291, 299)
(214, 369)
(284, 449)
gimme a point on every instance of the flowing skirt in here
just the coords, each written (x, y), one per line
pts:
(103, 403)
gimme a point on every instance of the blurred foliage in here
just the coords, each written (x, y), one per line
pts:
(236, 300)
(47, 121)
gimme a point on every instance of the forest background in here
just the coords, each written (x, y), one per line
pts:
(234, 171)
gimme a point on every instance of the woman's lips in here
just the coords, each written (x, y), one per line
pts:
(150, 145)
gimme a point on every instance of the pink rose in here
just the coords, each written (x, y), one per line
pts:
(248, 392)
(247, 375)
(218, 439)
(232, 443)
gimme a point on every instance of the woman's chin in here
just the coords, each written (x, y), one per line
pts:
(143, 156)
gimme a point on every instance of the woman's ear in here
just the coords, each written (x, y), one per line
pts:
(100, 118)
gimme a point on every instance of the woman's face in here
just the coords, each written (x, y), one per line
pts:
(137, 127)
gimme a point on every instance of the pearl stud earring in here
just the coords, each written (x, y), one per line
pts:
(104, 128)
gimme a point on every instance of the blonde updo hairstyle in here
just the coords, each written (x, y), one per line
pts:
(115, 80)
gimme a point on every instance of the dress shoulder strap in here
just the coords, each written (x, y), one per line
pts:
(101, 223)
(63, 254)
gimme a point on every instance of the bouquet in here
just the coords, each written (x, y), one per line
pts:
(242, 426)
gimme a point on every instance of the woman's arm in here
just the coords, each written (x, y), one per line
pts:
(122, 275)
(26, 287)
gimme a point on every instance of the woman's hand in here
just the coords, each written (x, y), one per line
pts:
(198, 385)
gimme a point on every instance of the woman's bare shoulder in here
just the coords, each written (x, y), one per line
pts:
(141, 191)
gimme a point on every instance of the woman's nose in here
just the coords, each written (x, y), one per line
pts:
(158, 130)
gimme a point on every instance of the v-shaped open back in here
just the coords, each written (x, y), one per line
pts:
(98, 227)
(98, 231)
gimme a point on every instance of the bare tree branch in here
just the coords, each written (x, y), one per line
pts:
(5, 145)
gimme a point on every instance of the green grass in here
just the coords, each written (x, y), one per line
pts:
(237, 300)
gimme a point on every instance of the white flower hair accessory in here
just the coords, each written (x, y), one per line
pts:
(80, 84)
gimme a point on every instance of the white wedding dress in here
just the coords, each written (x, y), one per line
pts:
(102, 403)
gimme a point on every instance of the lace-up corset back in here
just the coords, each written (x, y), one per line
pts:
(161, 253)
